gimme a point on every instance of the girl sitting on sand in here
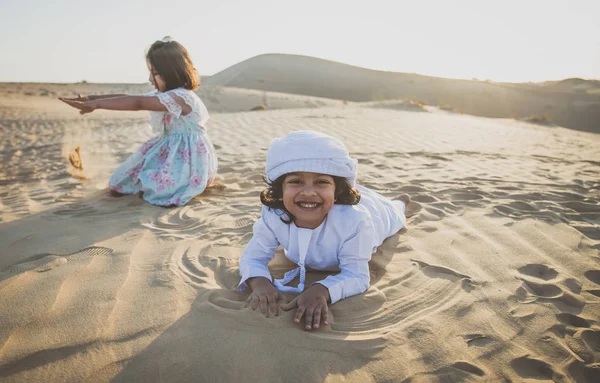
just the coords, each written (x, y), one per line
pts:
(323, 221)
(179, 162)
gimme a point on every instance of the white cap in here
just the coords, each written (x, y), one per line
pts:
(308, 151)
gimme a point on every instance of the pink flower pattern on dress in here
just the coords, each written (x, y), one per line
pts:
(148, 145)
(163, 154)
(134, 171)
(184, 153)
(200, 148)
(195, 181)
(167, 119)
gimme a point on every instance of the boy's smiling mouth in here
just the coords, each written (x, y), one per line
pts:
(307, 204)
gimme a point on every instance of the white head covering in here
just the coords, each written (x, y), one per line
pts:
(308, 151)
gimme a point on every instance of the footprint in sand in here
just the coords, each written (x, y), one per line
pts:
(531, 368)
(577, 335)
(580, 338)
(469, 368)
(539, 271)
(46, 262)
(456, 372)
(543, 284)
(572, 320)
(594, 277)
(584, 373)
(465, 197)
(478, 340)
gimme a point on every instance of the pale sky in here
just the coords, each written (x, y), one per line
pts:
(105, 41)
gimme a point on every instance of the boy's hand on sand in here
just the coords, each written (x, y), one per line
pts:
(83, 106)
(312, 304)
(264, 296)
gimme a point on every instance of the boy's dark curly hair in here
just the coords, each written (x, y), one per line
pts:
(270, 197)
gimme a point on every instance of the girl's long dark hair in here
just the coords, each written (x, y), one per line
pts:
(271, 196)
(173, 63)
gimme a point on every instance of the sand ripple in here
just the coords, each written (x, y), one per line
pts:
(496, 278)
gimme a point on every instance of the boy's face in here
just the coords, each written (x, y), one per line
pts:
(309, 197)
(155, 79)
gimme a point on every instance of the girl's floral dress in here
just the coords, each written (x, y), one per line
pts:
(177, 164)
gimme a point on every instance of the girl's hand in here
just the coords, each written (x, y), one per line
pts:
(265, 296)
(312, 304)
(78, 98)
(84, 107)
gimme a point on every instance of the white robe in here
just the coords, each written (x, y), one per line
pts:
(345, 240)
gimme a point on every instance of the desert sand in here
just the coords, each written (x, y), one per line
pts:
(496, 279)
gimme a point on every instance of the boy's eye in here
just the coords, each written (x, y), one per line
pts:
(323, 182)
(294, 181)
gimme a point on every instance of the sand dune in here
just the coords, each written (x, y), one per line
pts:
(497, 278)
(572, 103)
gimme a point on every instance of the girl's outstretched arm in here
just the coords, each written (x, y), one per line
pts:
(92, 97)
(101, 96)
(118, 103)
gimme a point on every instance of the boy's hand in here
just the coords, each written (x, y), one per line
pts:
(84, 107)
(265, 296)
(312, 304)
